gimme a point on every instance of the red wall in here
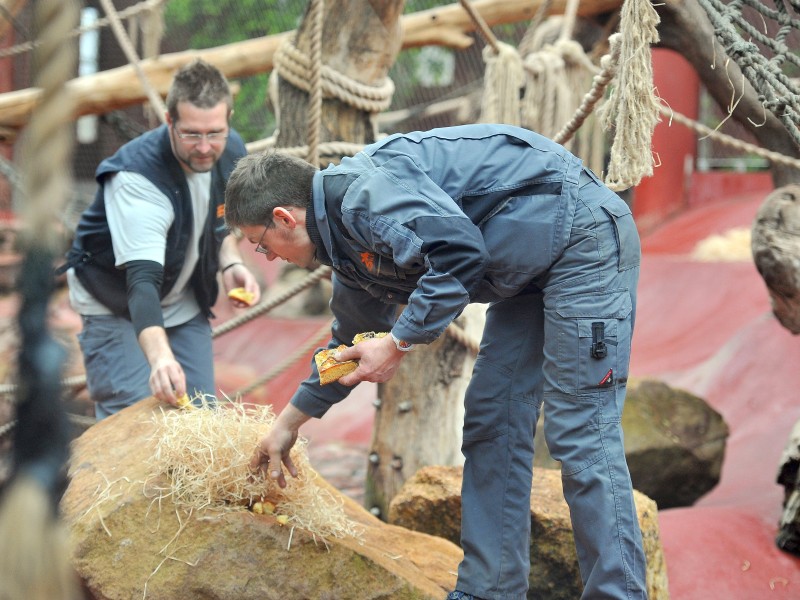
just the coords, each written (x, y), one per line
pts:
(674, 146)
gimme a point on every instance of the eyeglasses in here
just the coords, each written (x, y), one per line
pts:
(214, 137)
(260, 248)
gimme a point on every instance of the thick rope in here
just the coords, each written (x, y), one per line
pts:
(313, 342)
(731, 141)
(486, 33)
(632, 109)
(503, 80)
(325, 149)
(608, 69)
(266, 306)
(295, 67)
(316, 16)
(133, 58)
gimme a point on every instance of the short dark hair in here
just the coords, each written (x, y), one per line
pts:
(264, 181)
(201, 84)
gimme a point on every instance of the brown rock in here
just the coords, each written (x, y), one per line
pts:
(674, 443)
(430, 502)
(776, 252)
(125, 545)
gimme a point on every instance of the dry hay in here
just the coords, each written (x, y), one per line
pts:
(206, 454)
(731, 246)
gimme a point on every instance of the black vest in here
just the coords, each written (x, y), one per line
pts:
(150, 155)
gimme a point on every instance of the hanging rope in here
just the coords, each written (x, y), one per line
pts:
(632, 108)
(608, 69)
(316, 15)
(130, 52)
(503, 78)
(130, 12)
(295, 67)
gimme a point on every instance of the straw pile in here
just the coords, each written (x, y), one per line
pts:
(205, 455)
(730, 246)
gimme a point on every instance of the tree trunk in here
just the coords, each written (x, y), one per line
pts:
(420, 414)
(686, 29)
(360, 40)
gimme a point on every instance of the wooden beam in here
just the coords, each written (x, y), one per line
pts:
(118, 88)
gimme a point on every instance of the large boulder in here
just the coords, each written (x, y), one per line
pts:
(776, 252)
(128, 545)
(674, 443)
(430, 502)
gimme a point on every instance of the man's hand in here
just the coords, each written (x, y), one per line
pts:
(273, 449)
(167, 379)
(378, 360)
(239, 276)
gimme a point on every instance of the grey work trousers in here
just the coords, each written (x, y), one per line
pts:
(542, 350)
(117, 372)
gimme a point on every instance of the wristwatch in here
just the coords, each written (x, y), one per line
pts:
(402, 345)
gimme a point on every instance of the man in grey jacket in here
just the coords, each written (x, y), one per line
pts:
(424, 223)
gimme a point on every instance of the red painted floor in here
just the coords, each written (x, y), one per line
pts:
(708, 328)
(703, 326)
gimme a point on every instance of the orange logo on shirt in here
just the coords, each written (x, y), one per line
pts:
(220, 211)
(368, 259)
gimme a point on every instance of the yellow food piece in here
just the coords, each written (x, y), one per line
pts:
(263, 508)
(330, 369)
(184, 402)
(242, 295)
(282, 519)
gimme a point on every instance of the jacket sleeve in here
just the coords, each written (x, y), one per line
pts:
(400, 212)
(356, 312)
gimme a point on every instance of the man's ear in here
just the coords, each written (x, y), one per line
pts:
(284, 215)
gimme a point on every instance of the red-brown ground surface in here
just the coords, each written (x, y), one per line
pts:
(703, 326)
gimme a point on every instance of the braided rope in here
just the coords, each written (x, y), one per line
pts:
(326, 149)
(486, 33)
(133, 59)
(632, 107)
(131, 11)
(266, 306)
(608, 69)
(316, 15)
(294, 66)
(731, 141)
(314, 341)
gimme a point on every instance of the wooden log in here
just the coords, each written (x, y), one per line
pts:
(118, 88)
(360, 44)
(420, 414)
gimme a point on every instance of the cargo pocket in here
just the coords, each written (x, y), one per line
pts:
(628, 243)
(594, 336)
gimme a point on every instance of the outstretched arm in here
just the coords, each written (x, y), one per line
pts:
(273, 450)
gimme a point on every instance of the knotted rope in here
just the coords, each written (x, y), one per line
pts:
(133, 58)
(295, 67)
(632, 108)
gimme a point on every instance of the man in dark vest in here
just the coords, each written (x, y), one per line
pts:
(144, 263)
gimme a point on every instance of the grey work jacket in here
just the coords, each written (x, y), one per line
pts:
(432, 221)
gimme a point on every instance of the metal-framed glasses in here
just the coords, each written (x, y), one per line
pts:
(260, 248)
(192, 137)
